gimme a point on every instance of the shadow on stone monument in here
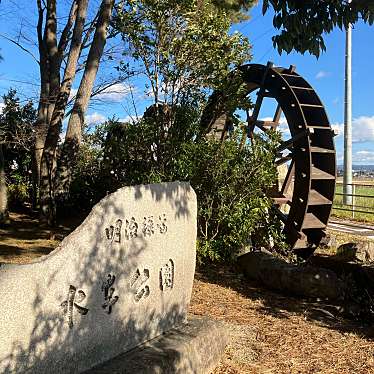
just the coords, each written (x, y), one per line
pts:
(118, 286)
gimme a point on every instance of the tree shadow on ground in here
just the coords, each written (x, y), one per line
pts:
(282, 305)
(26, 226)
(24, 239)
(11, 250)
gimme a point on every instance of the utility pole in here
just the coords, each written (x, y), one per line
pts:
(347, 176)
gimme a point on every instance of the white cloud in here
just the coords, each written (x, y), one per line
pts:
(131, 119)
(2, 105)
(114, 93)
(322, 74)
(94, 118)
(359, 157)
(338, 128)
(362, 129)
(363, 156)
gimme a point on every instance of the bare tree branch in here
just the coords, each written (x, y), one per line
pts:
(20, 46)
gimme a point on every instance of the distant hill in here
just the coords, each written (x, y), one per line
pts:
(359, 167)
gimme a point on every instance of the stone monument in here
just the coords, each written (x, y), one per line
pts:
(122, 278)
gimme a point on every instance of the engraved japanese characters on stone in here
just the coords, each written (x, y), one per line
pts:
(71, 304)
(113, 233)
(148, 227)
(138, 285)
(167, 276)
(131, 230)
(162, 226)
(109, 299)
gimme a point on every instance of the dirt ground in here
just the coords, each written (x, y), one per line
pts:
(273, 333)
(269, 332)
(25, 240)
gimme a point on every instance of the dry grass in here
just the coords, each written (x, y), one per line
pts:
(271, 333)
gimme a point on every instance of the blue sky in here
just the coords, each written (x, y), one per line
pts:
(326, 74)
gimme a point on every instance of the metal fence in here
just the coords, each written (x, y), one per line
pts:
(362, 203)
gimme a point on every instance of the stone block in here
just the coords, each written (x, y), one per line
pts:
(360, 251)
(123, 277)
(328, 241)
(195, 347)
(277, 274)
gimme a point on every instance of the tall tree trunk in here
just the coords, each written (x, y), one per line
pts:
(47, 192)
(53, 55)
(4, 216)
(74, 130)
(50, 50)
(41, 125)
(50, 55)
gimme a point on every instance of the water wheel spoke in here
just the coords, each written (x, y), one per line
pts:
(287, 181)
(260, 96)
(288, 144)
(277, 114)
(284, 159)
(282, 216)
(281, 200)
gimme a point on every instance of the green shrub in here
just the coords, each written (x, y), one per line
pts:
(89, 183)
(231, 184)
(19, 193)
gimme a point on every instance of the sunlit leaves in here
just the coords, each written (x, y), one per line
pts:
(302, 24)
(182, 47)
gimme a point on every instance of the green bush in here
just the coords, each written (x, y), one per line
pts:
(231, 184)
(89, 183)
(19, 193)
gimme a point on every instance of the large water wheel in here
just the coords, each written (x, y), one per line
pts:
(304, 198)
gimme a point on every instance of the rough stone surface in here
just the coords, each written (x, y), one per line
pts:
(121, 278)
(361, 251)
(299, 280)
(328, 241)
(195, 347)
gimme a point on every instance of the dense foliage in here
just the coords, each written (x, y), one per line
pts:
(302, 24)
(17, 141)
(184, 50)
(182, 47)
(231, 182)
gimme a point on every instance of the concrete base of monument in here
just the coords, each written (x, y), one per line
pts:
(195, 347)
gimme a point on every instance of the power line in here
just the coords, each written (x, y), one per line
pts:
(266, 53)
(262, 35)
(250, 22)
